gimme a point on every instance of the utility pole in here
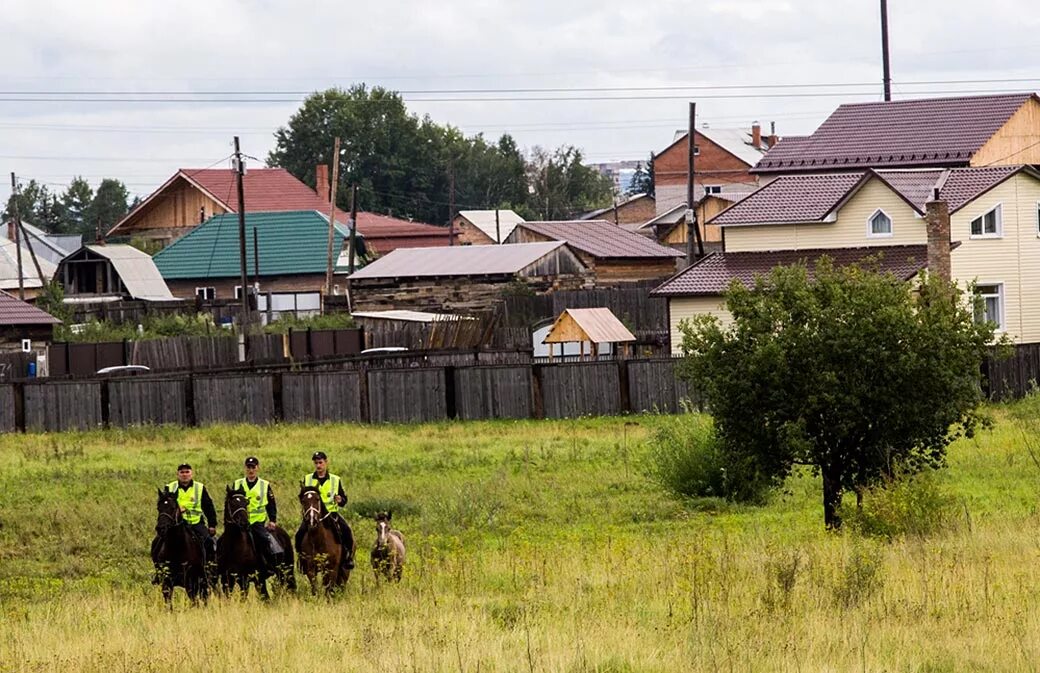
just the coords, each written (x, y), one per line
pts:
(451, 202)
(886, 67)
(240, 171)
(332, 215)
(615, 211)
(17, 236)
(498, 228)
(353, 227)
(692, 230)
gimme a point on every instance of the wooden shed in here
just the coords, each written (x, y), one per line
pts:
(593, 326)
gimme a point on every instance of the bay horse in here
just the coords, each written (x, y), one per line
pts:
(388, 553)
(177, 553)
(318, 549)
(238, 558)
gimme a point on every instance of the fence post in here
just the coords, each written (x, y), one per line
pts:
(450, 406)
(104, 403)
(537, 398)
(624, 399)
(19, 407)
(190, 417)
(276, 387)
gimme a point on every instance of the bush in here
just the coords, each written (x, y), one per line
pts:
(862, 575)
(326, 321)
(913, 505)
(687, 458)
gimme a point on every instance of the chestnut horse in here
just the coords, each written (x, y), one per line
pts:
(319, 551)
(239, 560)
(388, 552)
(177, 553)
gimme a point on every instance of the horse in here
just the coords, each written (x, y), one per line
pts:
(318, 550)
(388, 552)
(177, 553)
(239, 560)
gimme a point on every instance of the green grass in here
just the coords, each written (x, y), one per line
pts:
(533, 546)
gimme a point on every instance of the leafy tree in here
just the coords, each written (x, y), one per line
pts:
(849, 372)
(76, 203)
(108, 206)
(643, 180)
(562, 186)
(35, 204)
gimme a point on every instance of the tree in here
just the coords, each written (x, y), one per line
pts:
(75, 204)
(562, 187)
(849, 372)
(108, 206)
(643, 180)
(35, 204)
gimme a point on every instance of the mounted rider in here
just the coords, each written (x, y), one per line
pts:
(195, 503)
(330, 487)
(263, 512)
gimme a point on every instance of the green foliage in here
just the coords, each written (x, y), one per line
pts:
(861, 576)
(643, 180)
(325, 321)
(687, 458)
(77, 211)
(915, 505)
(52, 300)
(849, 372)
(148, 246)
(76, 202)
(108, 206)
(562, 186)
(152, 327)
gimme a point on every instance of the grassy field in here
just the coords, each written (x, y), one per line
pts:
(534, 546)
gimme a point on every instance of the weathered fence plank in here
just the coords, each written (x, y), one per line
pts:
(234, 399)
(493, 392)
(586, 389)
(654, 387)
(407, 395)
(147, 402)
(7, 402)
(322, 396)
(57, 406)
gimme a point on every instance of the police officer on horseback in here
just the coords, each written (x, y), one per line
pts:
(263, 512)
(195, 503)
(330, 486)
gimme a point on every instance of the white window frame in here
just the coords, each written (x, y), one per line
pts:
(891, 225)
(1001, 300)
(711, 190)
(999, 208)
(1038, 219)
(211, 291)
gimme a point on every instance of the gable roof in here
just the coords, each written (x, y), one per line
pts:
(599, 325)
(927, 132)
(712, 275)
(16, 312)
(601, 239)
(485, 221)
(289, 243)
(735, 141)
(136, 270)
(459, 260)
(52, 247)
(9, 267)
(609, 210)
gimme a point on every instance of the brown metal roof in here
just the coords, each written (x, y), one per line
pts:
(906, 133)
(600, 238)
(464, 260)
(713, 274)
(600, 325)
(15, 312)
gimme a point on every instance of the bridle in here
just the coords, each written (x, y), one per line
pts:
(243, 508)
(175, 519)
(311, 509)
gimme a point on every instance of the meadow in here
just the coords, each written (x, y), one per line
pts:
(533, 546)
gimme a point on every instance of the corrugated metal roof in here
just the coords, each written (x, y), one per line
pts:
(735, 141)
(601, 239)
(9, 267)
(404, 315)
(137, 271)
(52, 247)
(600, 325)
(15, 312)
(464, 260)
(485, 221)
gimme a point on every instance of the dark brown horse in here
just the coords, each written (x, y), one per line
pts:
(239, 561)
(319, 551)
(177, 553)
(388, 552)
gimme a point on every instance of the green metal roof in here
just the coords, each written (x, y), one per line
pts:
(293, 242)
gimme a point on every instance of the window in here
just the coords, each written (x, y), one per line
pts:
(712, 189)
(696, 150)
(1038, 218)
(206, 293)
(990, 307)
(238, 292)
(879, 224)
(988, 224)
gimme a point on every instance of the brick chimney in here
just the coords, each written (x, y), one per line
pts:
(937, 217)
(322, 181)
(756, 135)
(12, 231)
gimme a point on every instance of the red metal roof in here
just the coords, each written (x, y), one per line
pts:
(929, 132)
(600, 238)
(712, 275)
(16, 312)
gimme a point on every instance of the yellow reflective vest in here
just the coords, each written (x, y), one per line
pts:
(190, 500)
(328, 490)
(257, 496)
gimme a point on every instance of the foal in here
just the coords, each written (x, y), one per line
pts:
(388, 552)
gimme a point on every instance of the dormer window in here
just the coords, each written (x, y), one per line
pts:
(988, 225)
(879, 225)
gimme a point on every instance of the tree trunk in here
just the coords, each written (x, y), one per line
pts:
(831, 498)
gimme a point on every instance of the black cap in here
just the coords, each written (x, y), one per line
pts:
(252, 461)
(183, 466)
(319, 455)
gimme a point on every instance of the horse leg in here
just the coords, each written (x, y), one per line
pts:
(167, 591)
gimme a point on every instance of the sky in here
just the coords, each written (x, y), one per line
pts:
(136, 90)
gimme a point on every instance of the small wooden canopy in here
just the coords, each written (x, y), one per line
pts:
(596, 325)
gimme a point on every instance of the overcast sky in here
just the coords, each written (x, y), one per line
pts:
(66, 52)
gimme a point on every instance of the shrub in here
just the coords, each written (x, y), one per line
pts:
(912, 505)
(687, 458)
(862, 575)
(326, 321)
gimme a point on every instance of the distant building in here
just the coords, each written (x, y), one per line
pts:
(483, 227)
(620, 173)
(52, 247)
(632, 211)
(32, 282)
(21, 321)
(100, 273)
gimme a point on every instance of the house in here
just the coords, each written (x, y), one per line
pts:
(613, 254)
(290, 266)
(51, 247)
(464, 278)
(591, 331)
(669, 228)
(629, 213)
(483, 227)
(102, 273)
(993, 228)
(190, 197)
(32, 281)
(723, 158)
(20, 322)
(931, 133)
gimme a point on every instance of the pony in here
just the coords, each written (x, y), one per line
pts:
(388, 552)
(177, 553)
(318, 549)
(239, 560)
